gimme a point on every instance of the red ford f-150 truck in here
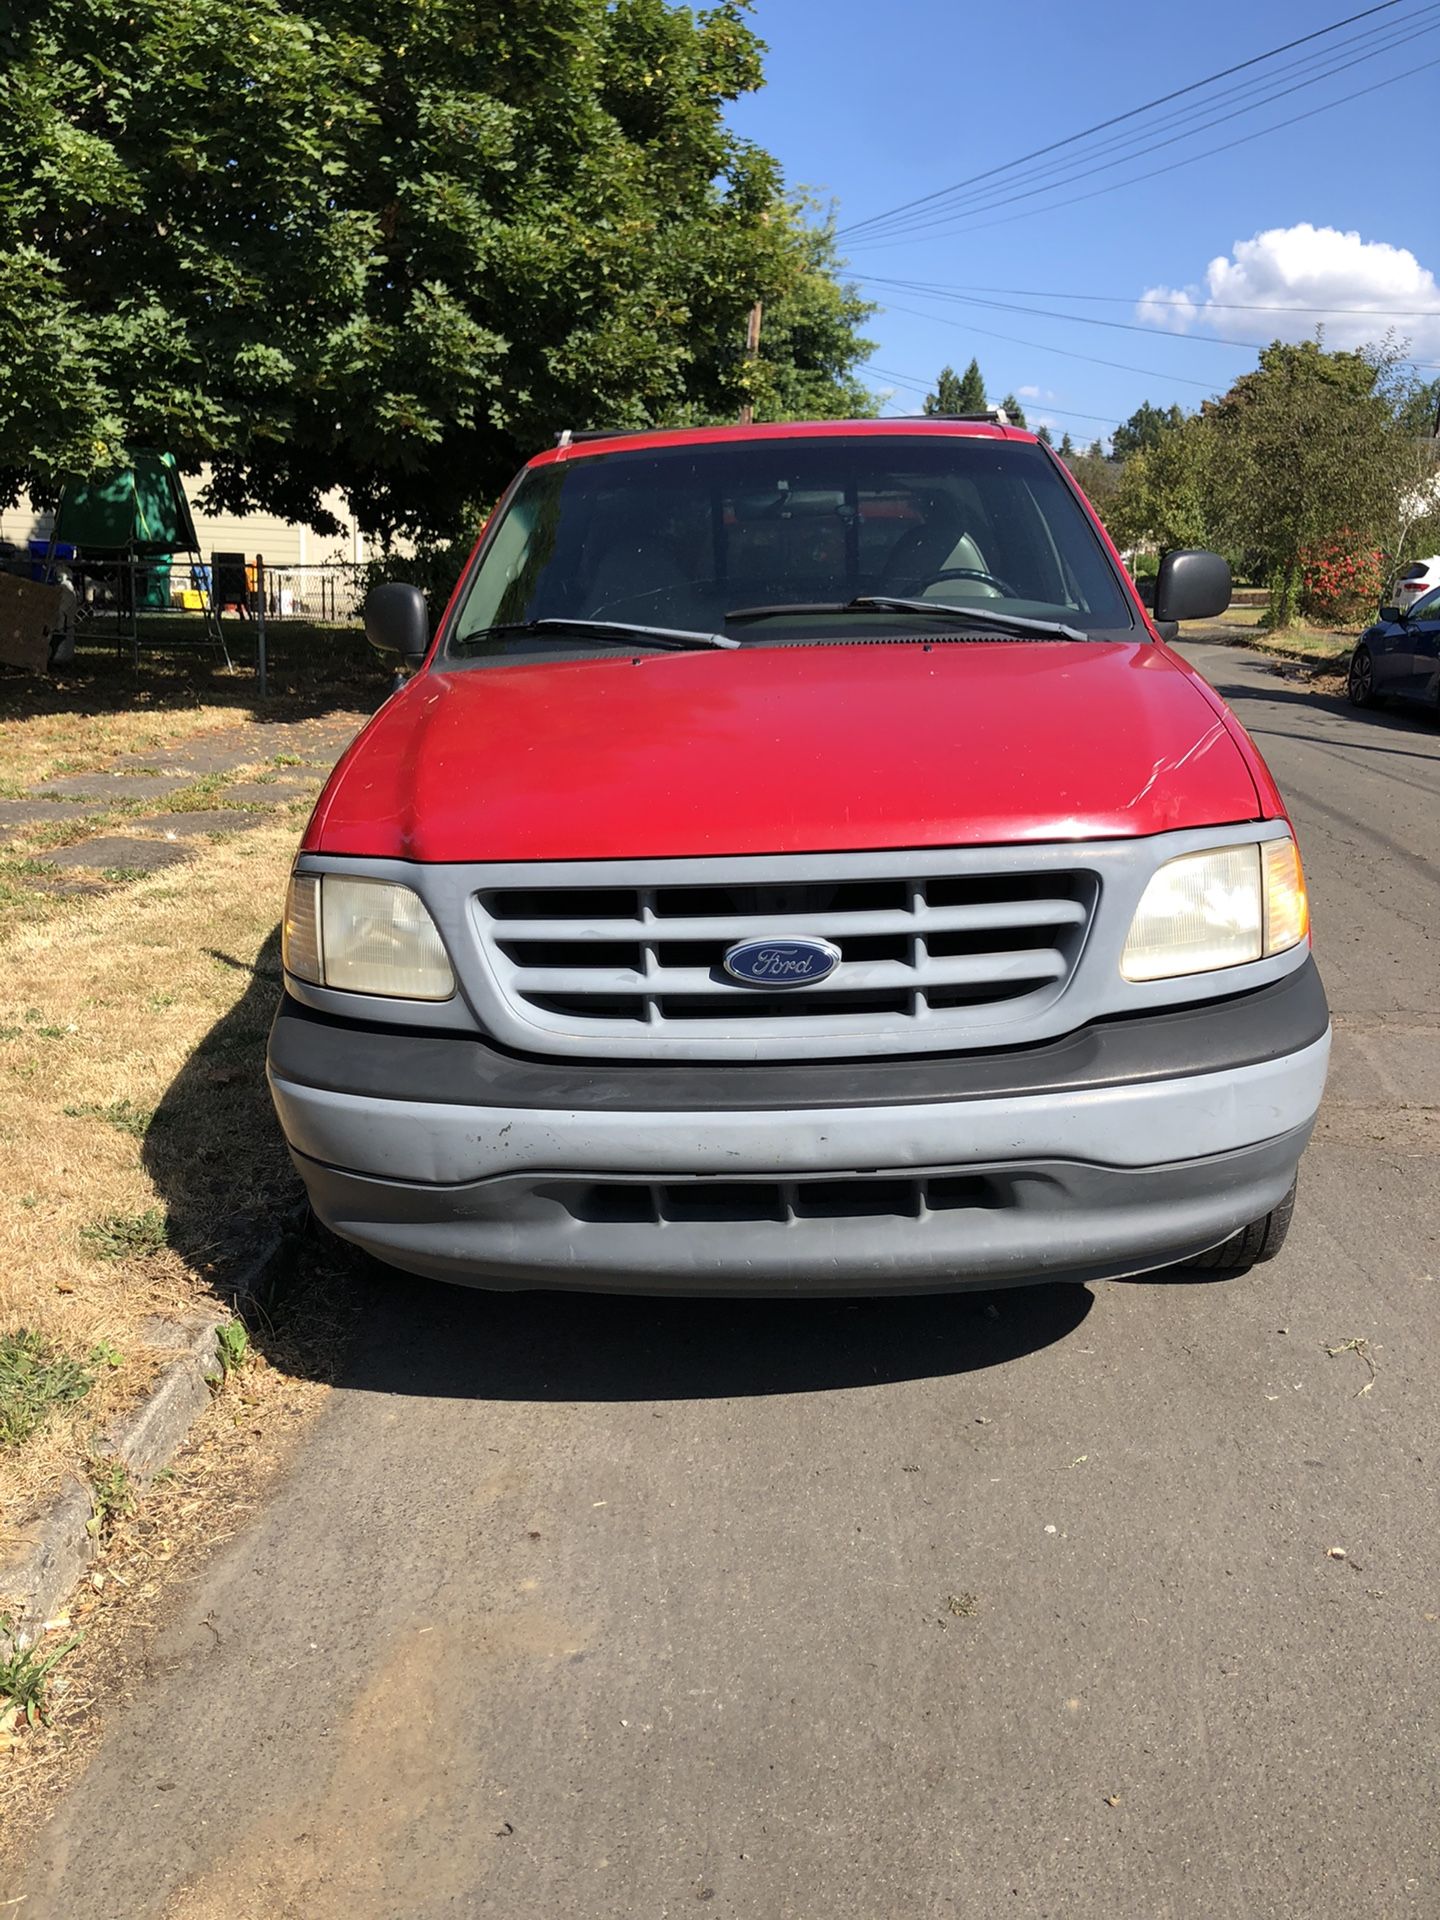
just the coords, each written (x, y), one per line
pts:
(799, 864)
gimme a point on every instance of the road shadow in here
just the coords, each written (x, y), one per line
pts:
(420, 1338)
(1367, 722)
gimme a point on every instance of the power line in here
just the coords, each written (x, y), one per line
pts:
(1358, 93)
(1130, 300)
(1069, 353)
(1192, 122)
(922, 291)
(1132, 113)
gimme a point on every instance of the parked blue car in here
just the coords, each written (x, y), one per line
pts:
(1399, 655)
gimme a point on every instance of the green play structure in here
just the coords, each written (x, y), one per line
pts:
(136, 520)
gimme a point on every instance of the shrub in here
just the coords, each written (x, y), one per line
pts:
(1341, 581)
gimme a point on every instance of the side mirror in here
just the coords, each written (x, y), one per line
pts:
(1191, 585)
(1390, 615)
(397, 621)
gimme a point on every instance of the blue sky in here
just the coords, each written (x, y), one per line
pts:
(873, 105)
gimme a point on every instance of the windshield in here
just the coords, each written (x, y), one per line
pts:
(787, 532)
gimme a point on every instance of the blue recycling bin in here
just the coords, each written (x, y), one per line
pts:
(40, 548)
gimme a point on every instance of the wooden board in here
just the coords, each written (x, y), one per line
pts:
(28, 613)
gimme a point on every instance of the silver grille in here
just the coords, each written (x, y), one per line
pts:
(931, 950)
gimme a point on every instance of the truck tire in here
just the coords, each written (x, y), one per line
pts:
(1261, 1240)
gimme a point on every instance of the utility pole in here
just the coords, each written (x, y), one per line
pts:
(752, 354)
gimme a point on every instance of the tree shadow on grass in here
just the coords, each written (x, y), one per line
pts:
(311, 672)
(214, 1148)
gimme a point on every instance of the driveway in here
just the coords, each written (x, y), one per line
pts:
(1020, 1605)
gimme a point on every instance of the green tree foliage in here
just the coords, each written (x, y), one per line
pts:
(810, 342)
(1042, 434)
(389, 245)
(946, 397)
(1067, 447)
(1098, 477)
(1308, 447)
(1013, 410)
(958, 393)
(1163, 495)
(1142, 431)
(972, 390)
(1419, 411)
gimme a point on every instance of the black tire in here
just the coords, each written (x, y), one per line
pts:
(1261, 1240)
(1360, 682)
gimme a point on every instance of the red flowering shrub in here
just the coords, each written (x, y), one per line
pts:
(1341, 581)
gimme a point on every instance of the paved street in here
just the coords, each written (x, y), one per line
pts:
(1023, 1605)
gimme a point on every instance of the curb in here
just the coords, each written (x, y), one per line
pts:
(54, 1552)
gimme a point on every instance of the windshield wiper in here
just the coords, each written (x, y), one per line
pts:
(886, 603)
(618, 633)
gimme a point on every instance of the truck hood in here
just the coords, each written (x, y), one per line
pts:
(812, 748)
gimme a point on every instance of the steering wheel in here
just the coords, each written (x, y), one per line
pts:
(1002, 587)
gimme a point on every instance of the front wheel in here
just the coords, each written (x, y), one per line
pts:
(1261, 1240)
(1361, 683)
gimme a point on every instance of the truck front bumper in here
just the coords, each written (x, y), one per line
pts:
(1105, 1163)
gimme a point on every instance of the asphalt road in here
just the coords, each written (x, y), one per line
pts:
(1013, 1606)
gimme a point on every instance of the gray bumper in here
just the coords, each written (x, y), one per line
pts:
(973, 1192)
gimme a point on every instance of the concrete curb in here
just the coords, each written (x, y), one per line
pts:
(54, 1553)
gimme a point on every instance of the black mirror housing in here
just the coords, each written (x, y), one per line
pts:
(1391, 615)
(397, 622)
(1191, 585)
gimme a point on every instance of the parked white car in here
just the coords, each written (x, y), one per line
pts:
(1417, 580)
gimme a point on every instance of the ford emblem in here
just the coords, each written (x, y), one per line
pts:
(781, 963)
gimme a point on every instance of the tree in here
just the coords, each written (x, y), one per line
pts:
(972, 390)
(1309, 447)
(1013, 410)
(946, 397)
(1163, 494)
(1067, 447)
(1042, 433)
(1099, 478)
(1142, 431)
(1419, 410)
(964, 393)
(390, 245)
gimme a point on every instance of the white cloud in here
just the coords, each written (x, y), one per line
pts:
(1034, 393)
(1286, 269)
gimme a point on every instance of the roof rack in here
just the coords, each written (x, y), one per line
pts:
(992, 416)
(569, 436)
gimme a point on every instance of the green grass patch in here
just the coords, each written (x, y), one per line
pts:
(112, 1493)
(35, 1379)
(232, 1343)
(121, 1114)
(120, 1235)
(23, 1674)
(1312, 648)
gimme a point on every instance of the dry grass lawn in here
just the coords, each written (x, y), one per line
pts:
(138, 1151)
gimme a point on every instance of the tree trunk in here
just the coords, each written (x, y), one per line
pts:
(1284, 588)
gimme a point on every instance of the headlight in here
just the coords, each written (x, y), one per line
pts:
(364, 936)
(1217, 909)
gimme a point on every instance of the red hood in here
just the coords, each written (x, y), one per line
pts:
(787, 750)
